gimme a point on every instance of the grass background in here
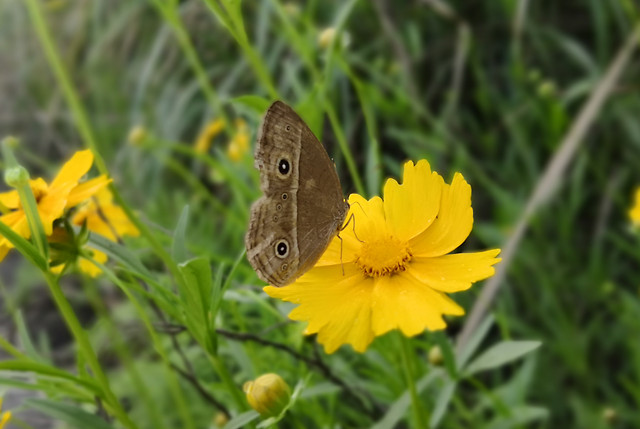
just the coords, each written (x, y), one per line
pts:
(489, 89)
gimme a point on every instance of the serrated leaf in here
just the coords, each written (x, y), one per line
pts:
(74, 416)
(500, 354)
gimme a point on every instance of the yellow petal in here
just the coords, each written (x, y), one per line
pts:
(10, 199)
(119, 220)
(74, 169)
(87, 189)
(51, 206)
(3, 251)
(17, 221)
(454, 222)
(453, 273)
(88, 267)
(336, 307)
(368, 219)
(402, 302)
(411, 207)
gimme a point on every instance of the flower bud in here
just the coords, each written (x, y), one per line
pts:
(435, 356)
(609, 415)
(16, 176)
(220, 420)
(137, 135)
(326, 37)
(268, 394)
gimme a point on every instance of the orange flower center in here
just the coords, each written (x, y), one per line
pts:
(384, 257)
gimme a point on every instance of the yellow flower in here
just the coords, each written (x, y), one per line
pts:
(213, 128)
(52, 199)
(395, 270)
(239, 144)
(104, 217)
(4, 417)
(64, 245)
(634, 212)
(268, 394)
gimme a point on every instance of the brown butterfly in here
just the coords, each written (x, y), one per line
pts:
(302, 208)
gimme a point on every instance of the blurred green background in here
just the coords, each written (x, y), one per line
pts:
(490, 89)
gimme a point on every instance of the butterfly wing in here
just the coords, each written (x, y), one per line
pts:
(302, 207)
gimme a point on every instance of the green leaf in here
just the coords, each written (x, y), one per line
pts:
(24, 246)
(121, 254)
(195, 293)
(242, 420)
(444, 398)
(501, 354)
(48, 371)
(72, 415)
(178, 248)
(259, 104)
(472, 345)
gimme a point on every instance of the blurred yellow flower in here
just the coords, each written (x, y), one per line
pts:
(206, 136)
(395, 271)
(634, 211)
(64, 192)
(239, 144)
(268, 394)
(104, 217)
(4, 417)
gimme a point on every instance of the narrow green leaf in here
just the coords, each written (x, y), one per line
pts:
(444, 398)
(49, 371)
(72, 415)
(241, 420)
(178, 248)
(195, 293)
(500, 354)
(121, 254)
(259, 104)
(474, 342)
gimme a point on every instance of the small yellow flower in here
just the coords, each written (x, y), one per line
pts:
(65, 250)
(395, 271)
(239, 144)
(4, 417)
(268, 394)
(634, 211)
(206, 136)
(52, 199)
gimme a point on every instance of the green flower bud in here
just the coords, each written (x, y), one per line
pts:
(16, 176)
(435, 356)
(268, 394)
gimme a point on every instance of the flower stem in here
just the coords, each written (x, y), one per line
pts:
(419, 411)
(86, 349)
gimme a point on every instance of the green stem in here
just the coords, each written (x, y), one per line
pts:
(419, 411)
(86, 349)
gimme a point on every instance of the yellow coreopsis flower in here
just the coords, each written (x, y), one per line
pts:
(239, 144)
(52, 199)
(634, 211)
(4, 417)
(206, 136)
(394, 272)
